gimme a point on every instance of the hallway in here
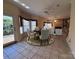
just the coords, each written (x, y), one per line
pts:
(21, 50)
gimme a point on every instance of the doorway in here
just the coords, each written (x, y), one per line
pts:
(8, 30)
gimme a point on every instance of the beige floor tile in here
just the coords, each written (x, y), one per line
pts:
(58, 50)
(37, 57)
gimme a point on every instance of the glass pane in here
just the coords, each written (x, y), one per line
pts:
(33, 28)
(21, 29)
(33, 25)
(7, 25)
(48, 25)
(8, 29)
(26, 25)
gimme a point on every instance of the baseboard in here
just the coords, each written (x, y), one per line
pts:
(8, 44)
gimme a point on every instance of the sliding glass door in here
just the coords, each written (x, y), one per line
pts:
(8, 29)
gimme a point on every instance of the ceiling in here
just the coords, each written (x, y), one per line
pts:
(47, 8)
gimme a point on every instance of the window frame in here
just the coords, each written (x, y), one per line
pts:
(48, 23)
(28, 19)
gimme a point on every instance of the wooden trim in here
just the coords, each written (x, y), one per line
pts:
(28, 19)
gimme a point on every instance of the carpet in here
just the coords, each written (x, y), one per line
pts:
(36, 42)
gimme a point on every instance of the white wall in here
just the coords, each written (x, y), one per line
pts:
(71, 36)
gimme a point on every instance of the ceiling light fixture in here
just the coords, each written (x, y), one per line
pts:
(55, 20)
(16, 0)
(25, 5)
(22, 4)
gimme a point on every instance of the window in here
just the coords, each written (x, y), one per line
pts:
(33, 25)
(26, 25)
(48, 25)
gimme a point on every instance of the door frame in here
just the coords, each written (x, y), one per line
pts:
(10, 43)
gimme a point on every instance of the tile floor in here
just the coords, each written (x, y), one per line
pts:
(58, 50)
